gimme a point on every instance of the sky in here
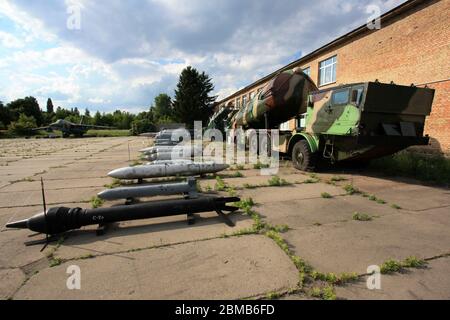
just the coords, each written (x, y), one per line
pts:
(119, 54)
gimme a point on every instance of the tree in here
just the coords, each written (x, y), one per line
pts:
(4, 116)
(192, 97)
(23, 126)
(27, 106)
(163, 106)
(50, 109)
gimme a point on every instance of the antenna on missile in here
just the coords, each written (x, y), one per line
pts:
(45, 213)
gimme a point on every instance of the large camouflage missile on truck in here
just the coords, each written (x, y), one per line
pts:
(284, 97)
(353, 122)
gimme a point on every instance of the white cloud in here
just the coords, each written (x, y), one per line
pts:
(129, 51)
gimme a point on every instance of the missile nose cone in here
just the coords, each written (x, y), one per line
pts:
(221, 166)
(23, 224)
(119, 173)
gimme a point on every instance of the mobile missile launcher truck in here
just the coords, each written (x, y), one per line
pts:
(353, 123)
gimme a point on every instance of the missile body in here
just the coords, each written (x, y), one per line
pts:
(165, 156)
(167, 170)
(189, 187)
(176, 148)
(59, 220)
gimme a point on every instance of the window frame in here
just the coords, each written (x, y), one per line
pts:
(348, 90)
(333, 66)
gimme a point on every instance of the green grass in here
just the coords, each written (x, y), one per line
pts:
(310, 181)
(335, 279)
(392, 266)
(350, 189)
(361, 217)
(276, 181)
(260, 165)
(326, 195)
(220, 184)
(421, 167)
(96, 202)
(338, 179)
(326, 293)
(273, 296)
(238, 174)
(396, 207)
(54, 262)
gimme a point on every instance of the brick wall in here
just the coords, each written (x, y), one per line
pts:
(411, 48)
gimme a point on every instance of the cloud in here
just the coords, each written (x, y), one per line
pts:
(127, 52)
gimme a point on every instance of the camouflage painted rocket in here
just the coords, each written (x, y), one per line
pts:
(284, 97)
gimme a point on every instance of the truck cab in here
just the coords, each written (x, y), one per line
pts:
(358, 122)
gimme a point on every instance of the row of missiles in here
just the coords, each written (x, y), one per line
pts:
(59, 220)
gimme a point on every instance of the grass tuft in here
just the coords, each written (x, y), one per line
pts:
(326, 195)
(361, 217)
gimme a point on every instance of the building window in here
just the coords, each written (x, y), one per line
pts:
(238, 103)
(327, 71)
(307, 71)
(244, 100)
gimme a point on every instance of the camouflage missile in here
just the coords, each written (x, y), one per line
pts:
(284, 97)
(59, 220)
(167, 170)
(187, 188)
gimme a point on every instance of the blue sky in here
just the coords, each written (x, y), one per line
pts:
(127, 52)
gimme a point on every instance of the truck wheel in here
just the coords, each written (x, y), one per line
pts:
(302, 156)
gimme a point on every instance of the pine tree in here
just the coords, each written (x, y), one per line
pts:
(192, 97)
(50, 109)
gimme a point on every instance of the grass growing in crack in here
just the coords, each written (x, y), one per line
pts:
(326, 195)
(392, 266)
(273, 295)
(96, 202)
(351, 189)
(334, 279)
(361, 217)
(276, 181)
(54, 262)
(238, 174)
(338, 179)
(396, 207)
(220, 184)
(414, 262)
(326, 293)
(381, 201)
(311, 181)
(260, 165)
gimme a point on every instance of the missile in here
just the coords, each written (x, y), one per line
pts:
(176, 148)
(167, 170)
(188, 188)
(165, 156)
(61, 219)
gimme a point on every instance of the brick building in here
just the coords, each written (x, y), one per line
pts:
(412, 47)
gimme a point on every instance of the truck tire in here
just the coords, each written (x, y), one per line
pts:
(302, 156)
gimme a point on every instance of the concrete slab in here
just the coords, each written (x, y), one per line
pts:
(231, 268)
(10, 281)
(432, 283)
(353, 246)
(413, 197)
(148, 233)
(290, 193)
(59, 184)
(301, 213)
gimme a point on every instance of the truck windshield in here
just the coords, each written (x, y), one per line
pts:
(341, 97)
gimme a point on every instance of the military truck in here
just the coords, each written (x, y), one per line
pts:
(354, 123)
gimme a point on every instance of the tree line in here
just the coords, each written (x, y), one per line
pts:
(192, 102)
